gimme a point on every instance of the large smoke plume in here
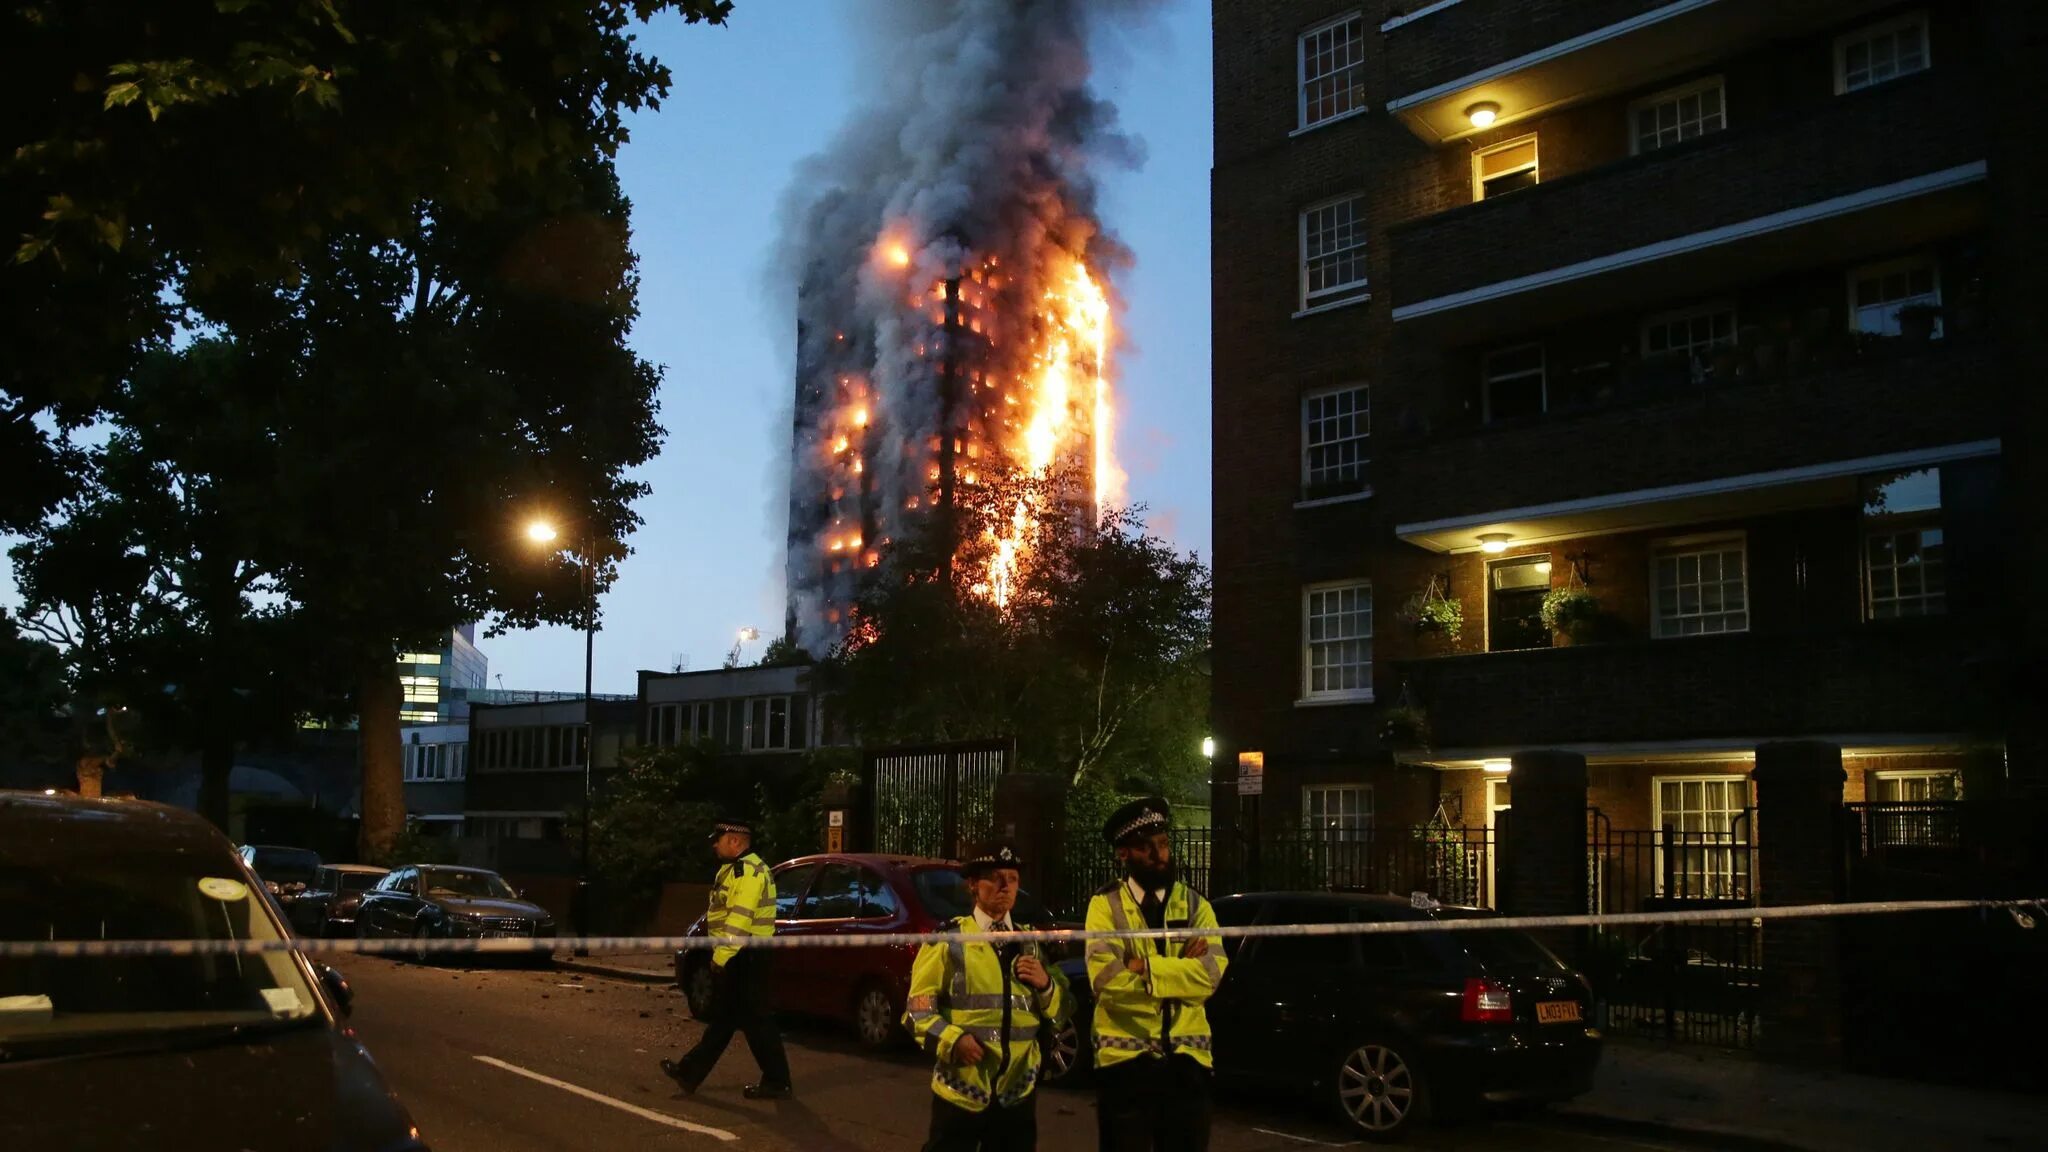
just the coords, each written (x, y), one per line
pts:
(958, 194)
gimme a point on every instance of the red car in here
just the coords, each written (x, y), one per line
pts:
(849, 895)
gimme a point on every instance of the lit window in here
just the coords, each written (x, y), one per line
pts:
(1337, 641)
(1679, 114)
(1332, 81)
(1904, 562)
(1881, 52)
(1878, 293)
(1335, 427)
(420, 689)
(1703, 837)
(1513, 385)
(1701, 589)
(1332, 252)
(419, 657)
(1504, 168)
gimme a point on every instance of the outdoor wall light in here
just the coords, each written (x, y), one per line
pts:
(1493, 543)
(1483, 114)
(1209, 747)
(1497, 765)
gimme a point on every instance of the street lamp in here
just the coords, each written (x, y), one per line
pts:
(543, 532)
(1208, 747)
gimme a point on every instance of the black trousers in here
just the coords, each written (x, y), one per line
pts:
(993, 1129)
(1153, 1105)
(739, 1003)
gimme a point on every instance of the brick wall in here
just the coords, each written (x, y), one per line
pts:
(1906, 128)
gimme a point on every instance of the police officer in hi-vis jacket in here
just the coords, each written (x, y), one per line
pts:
(979, 1009)
(742, 906)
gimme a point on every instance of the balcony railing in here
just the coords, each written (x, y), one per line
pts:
(1851, 144)
(1909, 678)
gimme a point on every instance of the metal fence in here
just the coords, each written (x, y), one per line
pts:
(1692, 982)
(935, 801)
(1907, 828)
(1089, 865)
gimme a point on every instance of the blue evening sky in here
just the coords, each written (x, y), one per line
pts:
(705, 174)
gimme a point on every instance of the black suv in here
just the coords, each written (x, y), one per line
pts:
(1388, 1027)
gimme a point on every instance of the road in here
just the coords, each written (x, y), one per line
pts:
(512, 1060)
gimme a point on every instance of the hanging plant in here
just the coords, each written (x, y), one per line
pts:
(1404, 726)
(1572, 612)
(1430, 610)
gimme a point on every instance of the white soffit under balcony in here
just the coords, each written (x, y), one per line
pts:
(1630, 53)
(1679, 505)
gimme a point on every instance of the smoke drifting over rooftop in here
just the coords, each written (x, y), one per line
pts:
(954, 288)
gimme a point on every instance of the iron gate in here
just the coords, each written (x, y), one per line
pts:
(935, 800)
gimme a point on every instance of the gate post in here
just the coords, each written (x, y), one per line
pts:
(1545, 843)
(1029, 812)
(1799, 811)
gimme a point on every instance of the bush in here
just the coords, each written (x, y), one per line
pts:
(1573, 612)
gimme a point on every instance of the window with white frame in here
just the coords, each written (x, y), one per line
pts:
(1337, 811)
(1917, 786)
(433, 763)
(1333, 251)
(1881, 52)
(1337, 641)
(1336, 427)
(1332, 76)
(1505, 167)
(1702, 588)
(768, 723)
(1513, 384)
(1915, 808)
(1878, 293)
(1702, 836)
(1693, 333)
(1904, 561)
(1679, 114)
(671, 724)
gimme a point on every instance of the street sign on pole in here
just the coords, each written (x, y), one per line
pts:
(1251, 773)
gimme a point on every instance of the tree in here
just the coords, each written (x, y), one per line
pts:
(157, 155)
(1095, 665)
(33, 698)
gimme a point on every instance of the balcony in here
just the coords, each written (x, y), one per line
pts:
(1880, 170)
(1908, 678)
(1552, 56)
(1791, 409)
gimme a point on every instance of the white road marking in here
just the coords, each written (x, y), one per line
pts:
(621, 1105)
(1306, 1140)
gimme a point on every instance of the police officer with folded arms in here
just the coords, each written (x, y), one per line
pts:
(1153, 1056)
(742, 908)
(979, 1009)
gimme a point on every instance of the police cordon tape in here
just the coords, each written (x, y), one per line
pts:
(2025, 913)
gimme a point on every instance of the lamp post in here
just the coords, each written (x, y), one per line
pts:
(542, 532)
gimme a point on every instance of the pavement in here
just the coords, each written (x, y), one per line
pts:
(649, 967)
(525, 1060)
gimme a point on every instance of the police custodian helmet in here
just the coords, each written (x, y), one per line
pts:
(1137, 820)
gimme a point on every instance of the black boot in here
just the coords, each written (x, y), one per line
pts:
(767, 1092)
(673, 1069)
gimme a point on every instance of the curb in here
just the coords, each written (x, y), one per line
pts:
(1734, 1139)
(636, 975)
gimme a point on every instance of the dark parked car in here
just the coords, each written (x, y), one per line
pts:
(328, 906)
(285, 871)
(1391, 1027)
(429, 902)
(852, 894)
(215, 1051)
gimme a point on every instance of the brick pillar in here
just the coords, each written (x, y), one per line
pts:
(1798, 834)
(1543, 853)
(1030, 811)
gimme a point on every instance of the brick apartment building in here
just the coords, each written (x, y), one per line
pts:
(1713, 313)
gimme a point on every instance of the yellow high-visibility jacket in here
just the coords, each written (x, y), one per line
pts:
(742, 905)
(1161, 1012)
(957, 989)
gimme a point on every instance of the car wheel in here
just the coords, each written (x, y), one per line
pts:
(1067, 1052)
(1379, 1091)
(420, 953)
(697, 983)
(874, 1017)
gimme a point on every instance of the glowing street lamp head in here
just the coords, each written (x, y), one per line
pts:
(750, 633)
(540, 532)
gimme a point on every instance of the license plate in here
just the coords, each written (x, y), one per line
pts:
(1557, 1012)
(502, 934)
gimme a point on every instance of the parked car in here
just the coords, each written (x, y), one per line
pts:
(285, 871)
(431, 902)
(1386, 1028)
(852, 894)
(216, 1051)
(328, 906)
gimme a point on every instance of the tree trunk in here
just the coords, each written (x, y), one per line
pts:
(92, 774)
(381, 757)
(216, 765)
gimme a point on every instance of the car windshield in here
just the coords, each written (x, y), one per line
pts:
(140, 896)
(463, 882)
(1501, 949)
(360, 881)
(286, 865)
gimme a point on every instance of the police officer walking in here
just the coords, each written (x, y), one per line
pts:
(742, 907)
(980, 1010)
(1153, 1057)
